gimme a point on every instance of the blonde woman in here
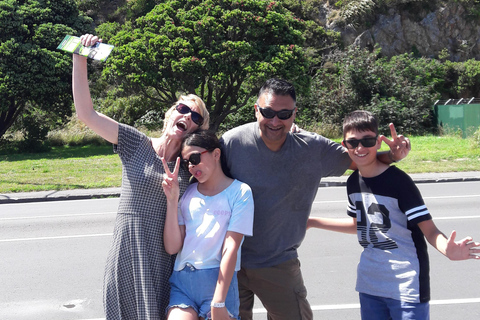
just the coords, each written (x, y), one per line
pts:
(138, 268)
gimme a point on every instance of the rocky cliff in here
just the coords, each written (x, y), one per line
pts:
(447, 26)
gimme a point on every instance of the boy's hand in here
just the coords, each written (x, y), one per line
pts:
(463, 249)
(295, 129)
(399, 145)
(170, 181)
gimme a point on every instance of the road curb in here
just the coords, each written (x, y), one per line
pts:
(82, 194)
(339, 183)
(41, 196)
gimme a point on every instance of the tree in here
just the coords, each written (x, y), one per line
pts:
(35, 78)
(222, 50)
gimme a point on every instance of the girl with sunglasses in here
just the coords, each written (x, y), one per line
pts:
(138, 268)
(205, 229)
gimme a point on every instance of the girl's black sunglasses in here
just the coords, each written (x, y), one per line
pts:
(366, 142)
(184, 109)
(195, 158)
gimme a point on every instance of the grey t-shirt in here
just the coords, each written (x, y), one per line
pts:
(284, 185)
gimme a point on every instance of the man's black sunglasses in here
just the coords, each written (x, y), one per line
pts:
(366, 142)
(184, 109)
(270, 114)
(195, 158)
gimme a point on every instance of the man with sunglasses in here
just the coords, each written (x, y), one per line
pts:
(284, 170)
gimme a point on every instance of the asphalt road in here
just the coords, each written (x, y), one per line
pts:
(53, 255)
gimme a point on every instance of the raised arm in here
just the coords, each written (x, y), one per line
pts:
(231, 244)
(104, 126)
(345, 225)
(453, 250)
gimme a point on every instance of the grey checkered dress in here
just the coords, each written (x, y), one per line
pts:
(138, 268)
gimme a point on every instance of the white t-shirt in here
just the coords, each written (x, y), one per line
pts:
(207, 220)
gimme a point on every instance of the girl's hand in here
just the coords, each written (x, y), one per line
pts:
(220, 314)
(170, 181)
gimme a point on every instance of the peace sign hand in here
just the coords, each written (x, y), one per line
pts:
(399, 145)
(170, 181)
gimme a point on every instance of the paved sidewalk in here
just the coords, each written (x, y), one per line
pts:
(79, 194)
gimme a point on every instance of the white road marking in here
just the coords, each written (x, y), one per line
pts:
(357, 306)
(58, 237)
(59, 216)
(445, 197)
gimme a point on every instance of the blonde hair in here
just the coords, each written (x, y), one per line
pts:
(198, 102)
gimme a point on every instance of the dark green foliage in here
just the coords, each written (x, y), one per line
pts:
(222, 50)
(467, 76)
(36, 129)
(32, 71)
(399, 90)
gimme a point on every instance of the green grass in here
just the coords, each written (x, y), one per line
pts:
(86, 167)
(62, 168)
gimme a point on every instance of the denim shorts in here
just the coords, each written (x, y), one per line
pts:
(194, 288)
(379, 308)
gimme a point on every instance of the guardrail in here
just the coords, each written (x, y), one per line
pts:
(458, 101)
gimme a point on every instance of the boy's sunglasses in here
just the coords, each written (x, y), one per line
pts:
(184, 109)
(270, 114)
(366, 142)
(195, 158)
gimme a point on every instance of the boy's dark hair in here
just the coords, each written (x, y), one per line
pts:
(278, 87)
(202, 138)
(360, 120)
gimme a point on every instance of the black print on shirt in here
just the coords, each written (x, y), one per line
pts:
(378, 210)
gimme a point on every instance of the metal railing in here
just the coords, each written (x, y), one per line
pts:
(458, 101)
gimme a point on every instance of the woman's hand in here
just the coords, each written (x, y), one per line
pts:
(89, 40)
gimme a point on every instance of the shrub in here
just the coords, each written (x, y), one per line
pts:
(399, 90)
(475, 139)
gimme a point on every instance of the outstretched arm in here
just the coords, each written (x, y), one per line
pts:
(173, 233)
(104, 126)
(453, 250)
(345, 225)
(231, 244)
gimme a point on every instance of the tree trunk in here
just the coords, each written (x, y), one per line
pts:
(7, 117)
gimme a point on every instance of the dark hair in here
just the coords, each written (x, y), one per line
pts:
(360, 120)
(278, 87)
(202, 138)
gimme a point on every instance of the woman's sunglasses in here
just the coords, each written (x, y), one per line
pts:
(366, 142)
(184, 109)
(270, 114)
(195, 158)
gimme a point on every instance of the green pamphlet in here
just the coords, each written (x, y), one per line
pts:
(99, 51)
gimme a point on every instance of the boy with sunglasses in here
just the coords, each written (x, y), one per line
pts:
(391, 220)
(284, 170)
